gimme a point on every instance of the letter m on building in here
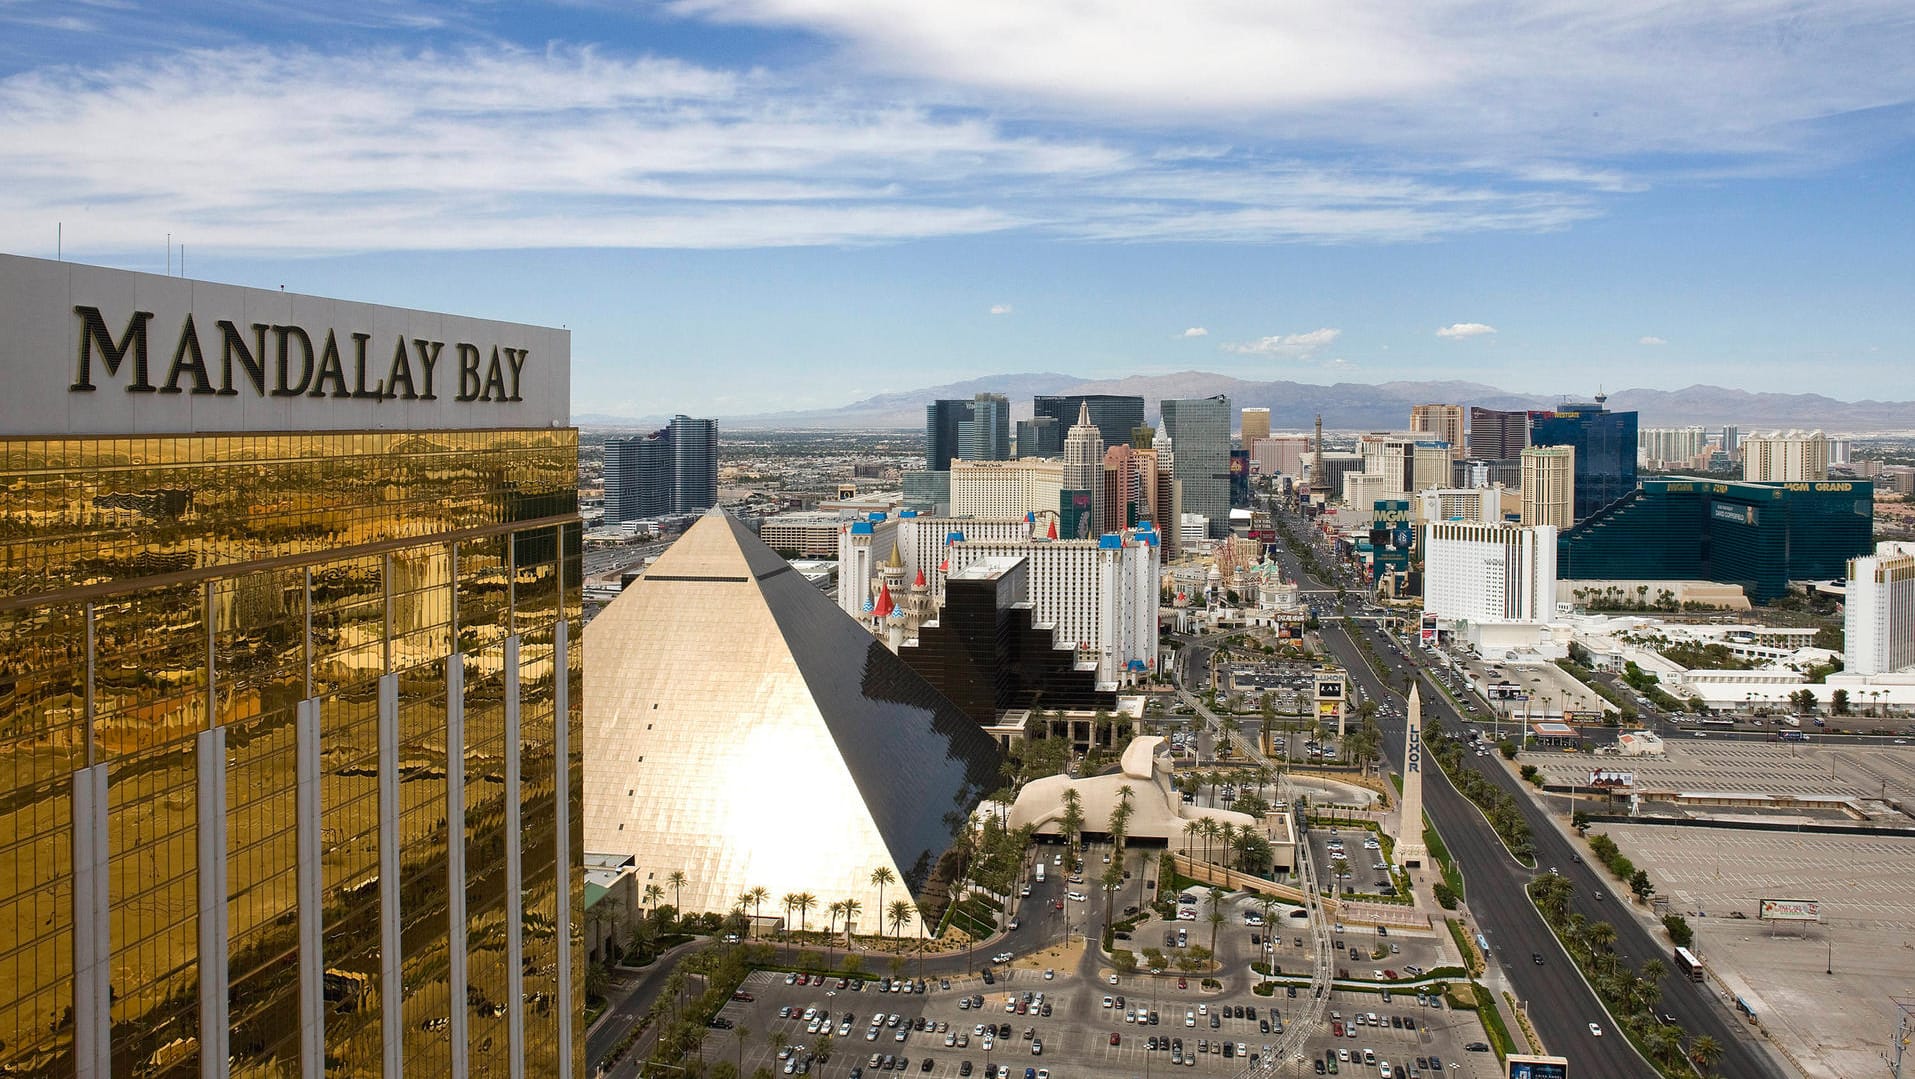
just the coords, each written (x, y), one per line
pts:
(113, 354)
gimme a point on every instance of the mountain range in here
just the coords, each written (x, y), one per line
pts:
(1344, 406)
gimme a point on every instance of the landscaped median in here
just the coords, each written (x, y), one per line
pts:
(1631, 996)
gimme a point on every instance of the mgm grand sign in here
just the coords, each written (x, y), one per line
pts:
(274, 360)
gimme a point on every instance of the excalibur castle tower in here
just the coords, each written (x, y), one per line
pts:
(289, 698)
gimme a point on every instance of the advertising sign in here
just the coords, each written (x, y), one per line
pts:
(1429, 628)
(1605, 778)
(1522, 1066)
(1329, 688)
(1790, 910)
(1506, 691)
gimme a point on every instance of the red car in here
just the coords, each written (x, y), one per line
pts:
(1060, 904)
(1114, 1038)
(1182, 984)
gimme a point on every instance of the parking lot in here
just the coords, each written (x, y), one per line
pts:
(1093, 1026)
(1753, 767)
(1835, 1024)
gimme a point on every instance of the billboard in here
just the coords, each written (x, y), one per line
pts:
(1507, 691)
(1522, 1066)
(1428, 628)
(1790, 910)
(1605, 778)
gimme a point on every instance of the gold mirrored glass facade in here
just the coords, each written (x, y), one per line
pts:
(290, 747)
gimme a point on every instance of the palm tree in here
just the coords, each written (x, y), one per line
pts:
(900, 914)
(653, 893)
(757, 895)
(804, 903)
(677, 881)
(1705, 1051)
(790, 901)
(882, 876)
(741, 1032)
(852, 908)
(1228, 833)
(1192, 828)
(1215, 917)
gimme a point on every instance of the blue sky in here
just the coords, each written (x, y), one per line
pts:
(746, 205)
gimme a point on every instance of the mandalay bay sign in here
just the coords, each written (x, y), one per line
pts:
(97, 351)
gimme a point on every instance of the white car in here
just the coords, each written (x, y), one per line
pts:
(1595, 1030)
(1076, 897)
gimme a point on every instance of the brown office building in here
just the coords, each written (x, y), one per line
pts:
(1497, 435)
(289, 700)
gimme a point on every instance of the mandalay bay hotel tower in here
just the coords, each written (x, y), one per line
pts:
(289, 685)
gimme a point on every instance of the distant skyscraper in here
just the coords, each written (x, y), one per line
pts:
(1670, 447)
(1494, 434)
(1444, 421)
(1256, 425)
(672, 470)
(986, 436)
(1201, 428)
(1083, 475)
(1118, 497)
(1489, 572)
(1114, 414)
(1785, 457)
(1039, 436)
(1283, 454)
(1880, 611)
(1549, 485)
(1605, 445)
(1006, 488)
(941, 434)
(1731, 438)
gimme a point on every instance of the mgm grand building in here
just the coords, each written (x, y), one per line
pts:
(289, 685)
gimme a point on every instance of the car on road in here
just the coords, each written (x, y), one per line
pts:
(1595, 1030)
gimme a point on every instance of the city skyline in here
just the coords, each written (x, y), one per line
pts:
(905, 202)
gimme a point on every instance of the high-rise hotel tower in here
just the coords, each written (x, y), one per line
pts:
(289, 685)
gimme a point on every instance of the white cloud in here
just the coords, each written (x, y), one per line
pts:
(1290, 346)
(1000, 309)
(1196, 331)
(1650, 341)
(1575, 82)
(1457, 331)
(572, 147)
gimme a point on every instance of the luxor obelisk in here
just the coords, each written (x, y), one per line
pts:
(1410, 850)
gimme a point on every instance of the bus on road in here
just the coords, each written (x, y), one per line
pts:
(1689, 966)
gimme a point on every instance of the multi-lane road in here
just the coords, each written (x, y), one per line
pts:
(1559, 1003)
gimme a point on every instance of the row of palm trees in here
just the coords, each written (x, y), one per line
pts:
(1631, 993)
(1228, 837)
(901, 911)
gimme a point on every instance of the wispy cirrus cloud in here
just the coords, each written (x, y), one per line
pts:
(1288, 346)
(1458, 331)
(292, 150)
(1195, 331)
(1563, 85)
(1000, 309)
(1651, 341)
